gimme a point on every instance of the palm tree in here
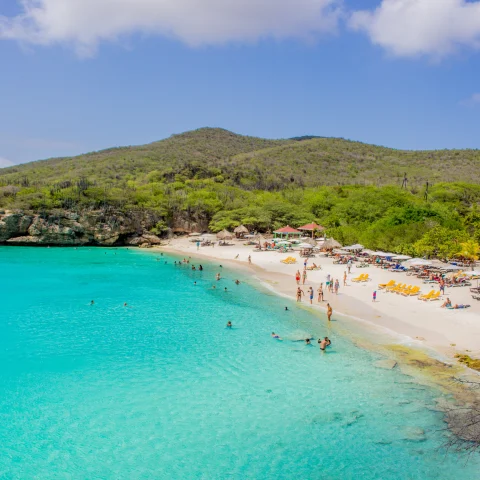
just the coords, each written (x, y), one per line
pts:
(470, 250)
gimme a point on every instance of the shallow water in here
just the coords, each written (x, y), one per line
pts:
(161, 389)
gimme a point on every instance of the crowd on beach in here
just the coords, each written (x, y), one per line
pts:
(322, 342)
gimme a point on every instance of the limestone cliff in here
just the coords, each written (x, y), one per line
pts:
(69, 228)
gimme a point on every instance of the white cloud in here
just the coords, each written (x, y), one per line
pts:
(85, 23)
(472, 101)
(421, 27)
(5, 163)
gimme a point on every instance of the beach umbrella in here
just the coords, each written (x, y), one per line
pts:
(401, 257)
(331, 243)
(305, 246)
(473, 273)
(240, 231)
(357, 246)
(419, 262)
(311, 242)
(224, 235)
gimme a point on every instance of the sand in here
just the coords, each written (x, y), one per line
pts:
(407, 319)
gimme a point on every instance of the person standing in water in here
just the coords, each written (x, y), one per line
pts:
(310, 294)
(229, 324)
(329, 312)
(324, 343)
(300, 292)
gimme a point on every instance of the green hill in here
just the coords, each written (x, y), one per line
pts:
(212, 178)
(251, 163)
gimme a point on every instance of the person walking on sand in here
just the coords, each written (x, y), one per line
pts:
(345, 278)
(310, 294)
(337, 286)
(304, 276)
(374, 296)
(250, 259)
(329, 312)
(320, 293)
(297, 277)
(300, 292)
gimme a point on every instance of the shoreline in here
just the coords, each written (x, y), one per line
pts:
(391, 319)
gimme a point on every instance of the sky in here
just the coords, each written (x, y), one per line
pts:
(82, 75)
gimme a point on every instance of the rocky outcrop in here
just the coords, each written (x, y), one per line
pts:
(146, 238)
(69, 228)
(13, 224)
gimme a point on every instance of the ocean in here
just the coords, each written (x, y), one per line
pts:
(161, 389)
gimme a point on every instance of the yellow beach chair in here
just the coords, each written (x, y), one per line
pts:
(435, 296)
(404, 290)
(414, 291)
(359, 278)
(396, 288)
(391, 283)
(366, 278)
(427, 296)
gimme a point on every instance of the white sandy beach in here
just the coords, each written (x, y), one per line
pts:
(424, 323)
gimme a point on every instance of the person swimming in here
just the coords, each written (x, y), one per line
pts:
(200, 267)
(324, 343)
(237, 282)
(92, 303)
(307, 341)
(274, 335)
(225, 288)
(229, 324)
(286, 309)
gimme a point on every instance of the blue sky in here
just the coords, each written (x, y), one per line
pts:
(79, 75)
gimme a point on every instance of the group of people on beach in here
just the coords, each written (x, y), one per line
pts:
(323, 343)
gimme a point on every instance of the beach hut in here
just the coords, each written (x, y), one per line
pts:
(330, 244)
(240, 231)
(224, 235)
(311, 228)
(287, 232)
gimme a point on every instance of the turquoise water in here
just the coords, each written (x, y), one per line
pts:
(161, 389)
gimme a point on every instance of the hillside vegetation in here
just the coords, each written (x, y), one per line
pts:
(217, 178)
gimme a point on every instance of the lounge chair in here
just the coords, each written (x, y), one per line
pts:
(396, 288)
(435, 296)
(414, 291)
(360, 278)
(391, 283)
(403, 290)
(427, 296)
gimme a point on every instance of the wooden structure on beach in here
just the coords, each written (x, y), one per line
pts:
(241, 231)
(311, 228)
(287, 232)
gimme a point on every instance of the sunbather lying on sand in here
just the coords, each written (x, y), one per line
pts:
(458, 307)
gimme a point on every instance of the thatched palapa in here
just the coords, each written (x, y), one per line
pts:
(224, 235)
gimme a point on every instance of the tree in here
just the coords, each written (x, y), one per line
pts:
(469, 251)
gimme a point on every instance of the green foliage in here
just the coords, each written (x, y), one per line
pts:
(224, 180)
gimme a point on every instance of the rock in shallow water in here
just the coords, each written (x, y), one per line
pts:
(387, 364)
